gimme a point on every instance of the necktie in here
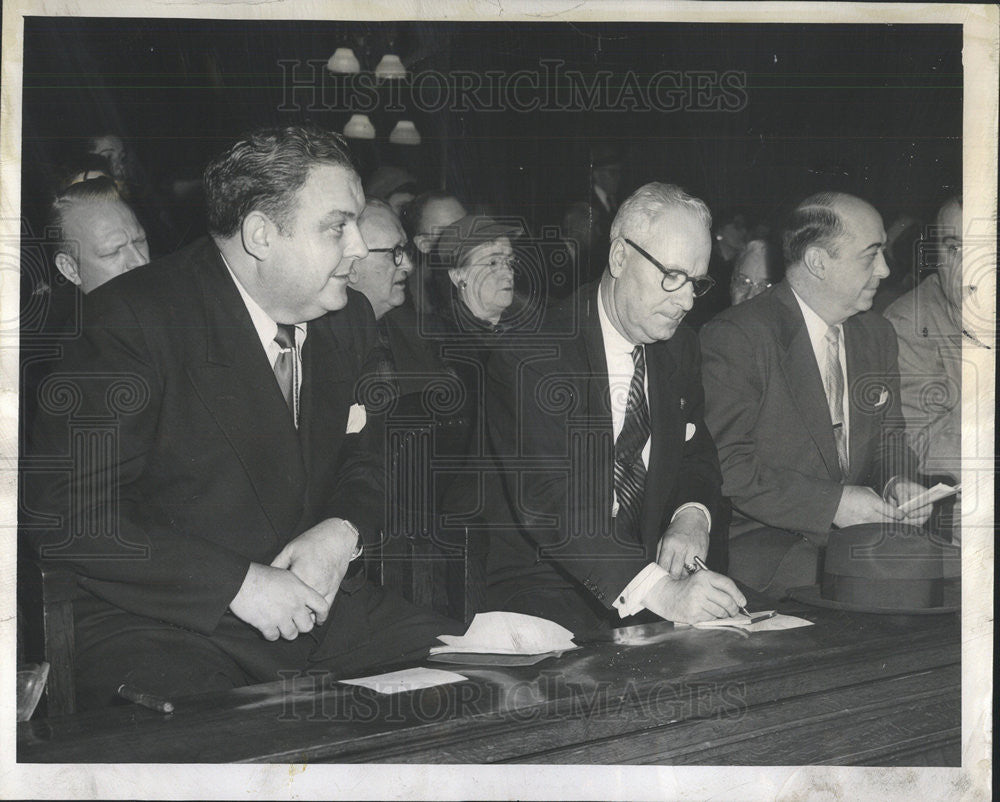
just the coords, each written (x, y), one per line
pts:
(630, 473)
(285, 368)
(833, 383)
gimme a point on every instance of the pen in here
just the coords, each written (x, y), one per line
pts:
(153, 702)
(700, 564)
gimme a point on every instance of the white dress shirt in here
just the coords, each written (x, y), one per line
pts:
(266, 330)
(618, 352)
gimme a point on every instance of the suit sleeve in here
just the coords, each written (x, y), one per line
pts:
(551, 471)
(107, 392)
(774, 494)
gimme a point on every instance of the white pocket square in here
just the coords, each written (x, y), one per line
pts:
(356, 419)
(689, 432)
(883, 397)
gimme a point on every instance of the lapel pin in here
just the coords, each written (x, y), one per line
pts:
(683, 403)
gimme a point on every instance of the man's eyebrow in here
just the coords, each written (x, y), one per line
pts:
(336, 214)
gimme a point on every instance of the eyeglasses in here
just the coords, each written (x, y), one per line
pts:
(397, 251)
(749, 283)
(673, 280)
(499, 262)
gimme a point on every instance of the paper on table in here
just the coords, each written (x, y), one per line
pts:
(929, 496)
(742, 622)
(508, 633)
(409, 679)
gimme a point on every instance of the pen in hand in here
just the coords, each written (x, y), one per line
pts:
(699, 564)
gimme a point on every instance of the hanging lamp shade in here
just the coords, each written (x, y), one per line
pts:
(405, 133)
(359, 127)
(390, 68)
(343, 60)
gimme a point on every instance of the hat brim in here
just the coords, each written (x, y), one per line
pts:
(810, 594)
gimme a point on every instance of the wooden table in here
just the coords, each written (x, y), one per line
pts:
(853, 689)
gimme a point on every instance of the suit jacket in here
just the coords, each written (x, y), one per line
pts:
(195, 468)
(549, 418)
(930, 363)
(767, 410)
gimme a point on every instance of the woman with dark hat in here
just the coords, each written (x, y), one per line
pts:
(472, 268)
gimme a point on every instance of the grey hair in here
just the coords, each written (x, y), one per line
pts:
(641, 208)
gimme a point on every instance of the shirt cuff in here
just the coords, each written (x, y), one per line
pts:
(697, 506)
(629, 601)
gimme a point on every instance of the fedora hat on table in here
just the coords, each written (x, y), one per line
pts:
(890, 569)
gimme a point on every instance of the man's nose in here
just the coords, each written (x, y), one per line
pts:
(355, 247)
(407, 264)
(881, 266)
(684, 297)
(136, 256)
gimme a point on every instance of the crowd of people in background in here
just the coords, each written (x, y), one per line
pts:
(458, 390)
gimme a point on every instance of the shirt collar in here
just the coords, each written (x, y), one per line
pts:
(815, 325)
(265, 327)
(614, 342)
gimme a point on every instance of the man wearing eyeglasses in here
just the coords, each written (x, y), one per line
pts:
(802, 398)
(607, 463)
(381, 276)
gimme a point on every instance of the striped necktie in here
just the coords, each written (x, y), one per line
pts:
(630, 472)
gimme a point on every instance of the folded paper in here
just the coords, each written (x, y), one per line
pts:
(410, 679)
(508, 633)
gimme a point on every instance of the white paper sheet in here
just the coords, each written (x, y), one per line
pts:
(768, 624)
(929, 496)
(508, 633)
(409, 679)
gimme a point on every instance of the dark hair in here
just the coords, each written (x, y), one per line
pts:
(411, 213)
(264, 171)
(95, 190)
(812, 222)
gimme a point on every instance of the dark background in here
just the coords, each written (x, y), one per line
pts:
(871, 109)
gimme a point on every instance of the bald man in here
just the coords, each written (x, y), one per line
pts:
(802, 399)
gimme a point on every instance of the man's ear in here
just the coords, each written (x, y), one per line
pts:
(68, 266)
(258, 233)
(616, 256)
(815, 259)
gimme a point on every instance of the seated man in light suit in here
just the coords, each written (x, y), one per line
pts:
(607, 463)
(216, 532)
(802, 398)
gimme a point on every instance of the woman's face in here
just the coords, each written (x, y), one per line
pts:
(485, 279)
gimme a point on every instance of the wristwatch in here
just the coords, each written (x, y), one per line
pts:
(360, 548)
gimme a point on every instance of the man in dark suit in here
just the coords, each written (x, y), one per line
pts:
(802, 398)
(217, 528)
(606, 461)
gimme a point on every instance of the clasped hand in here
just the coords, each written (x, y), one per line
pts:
(295, 592)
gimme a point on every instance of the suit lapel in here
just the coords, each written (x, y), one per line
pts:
(858, 365)
(802, 377)
(326, 361)
(237, 385)
(664, 414)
